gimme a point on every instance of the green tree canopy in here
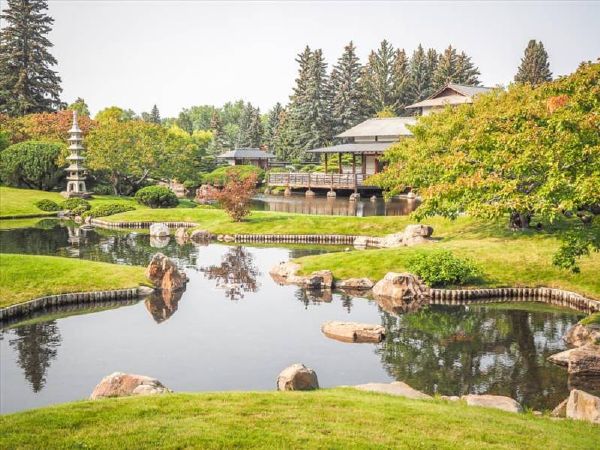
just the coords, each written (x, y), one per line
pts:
(346, 94)
(33, 164)
(81, 107)
(527, 152)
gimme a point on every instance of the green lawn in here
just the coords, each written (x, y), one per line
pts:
(24, 277)
(525, 260)
(331, 418)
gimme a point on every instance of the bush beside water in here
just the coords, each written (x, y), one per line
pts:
(76, 203)
(157, 197)
(441, 268)
(107, 209)
(47, 205)
(220, 176)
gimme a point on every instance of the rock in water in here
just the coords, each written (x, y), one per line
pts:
(583, 406)
(579, 335)
(181, 236)
(297, 377)
(120, 384)
(163, 273)
(159, 230)
(585, 361)
(355, 284)
(493, 401)
(201, 236)
(396, 388)
(400, 286)
(353, 331)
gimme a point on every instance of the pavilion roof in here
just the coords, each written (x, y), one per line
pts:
(462, 94)
(392, 126)
(247, 153)
(366, 147)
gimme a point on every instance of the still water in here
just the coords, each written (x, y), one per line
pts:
(339, 206)
(234, 328)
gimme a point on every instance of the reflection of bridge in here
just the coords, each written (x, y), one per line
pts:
(333, 181)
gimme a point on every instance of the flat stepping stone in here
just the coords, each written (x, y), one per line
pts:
(493, 401)
(353, 331)
(397, 388)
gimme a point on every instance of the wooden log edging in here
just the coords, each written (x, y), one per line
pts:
(325, 239)
(557, 297)
(27, 308)
(138, 225)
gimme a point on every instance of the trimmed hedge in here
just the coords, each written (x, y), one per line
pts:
(157, 197)
(107, 209)
(47, 205)
(441, 268)
(73, 203)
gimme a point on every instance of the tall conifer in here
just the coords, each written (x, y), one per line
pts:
(272, 125)
(401, 81)
(250, 128)
(534, 68)
(27, 82)
(345, 90)
(377, 79)
(155, 115)
(420, 75)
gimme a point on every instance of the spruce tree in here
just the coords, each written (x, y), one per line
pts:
(447, 68)
(295, 119)
(401, 81)
(420, 75)
(250, 128)
(283, 138)
(534, 68)
(272, 125)
(217, 145)
(155, 115)
(346, 94)
(316, 131)
(468, 73)
(27, 82)
(377, 79)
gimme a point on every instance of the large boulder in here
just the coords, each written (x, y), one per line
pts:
(159, 230)
(560, 410)
(562, 358)
(284, 272)
(181, 236)
(164, 274)
(580, 335)
(353, 331)
(355, 284)
(120, 384)
(159, 241)
(392, 240)
(401, 286)
(493, 401)
(321, 279)
(395, 388)
(297, 377)
(201, 236)
(206, 194)
(585, 361)
(583, 406)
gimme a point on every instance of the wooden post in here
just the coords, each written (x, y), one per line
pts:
(326, 160)
(354, 163)
(363, 162)
(340, 162)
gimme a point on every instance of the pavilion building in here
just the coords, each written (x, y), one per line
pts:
(451, 94)
(247, 156)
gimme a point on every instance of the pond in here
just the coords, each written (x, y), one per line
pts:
(339, 206)
(234, 328)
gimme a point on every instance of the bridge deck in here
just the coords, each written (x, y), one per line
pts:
(320, 180)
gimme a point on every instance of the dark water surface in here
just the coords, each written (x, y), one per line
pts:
(234, 328)
(339, 206)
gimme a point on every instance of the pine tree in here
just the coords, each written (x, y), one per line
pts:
(377, 79)
(447, 68)
(155, 115)
(27, 82)
(401, 81)
(283, 139)
(420, 75)
(433, 59)
(346, 94)
(534, 68)
(295, 119)
(217, 145)
(272, 125)
(250, 128)
(468, 73)
(317, 129)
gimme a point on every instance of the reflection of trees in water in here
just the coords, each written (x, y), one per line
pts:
(455, 351)
(313, 296)
(36, 346)
(236, 274)
(163, 304)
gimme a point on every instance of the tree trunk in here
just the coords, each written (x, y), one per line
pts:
(519, 220)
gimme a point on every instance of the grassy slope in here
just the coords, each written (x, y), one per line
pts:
(337, 418)
(24, 277)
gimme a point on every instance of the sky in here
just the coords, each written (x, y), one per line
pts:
(177, 54)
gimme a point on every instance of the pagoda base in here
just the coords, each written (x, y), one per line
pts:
(66, 194)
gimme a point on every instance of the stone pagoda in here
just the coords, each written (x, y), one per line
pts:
(76, 171)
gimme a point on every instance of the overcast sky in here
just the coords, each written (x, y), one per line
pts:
(177, 54)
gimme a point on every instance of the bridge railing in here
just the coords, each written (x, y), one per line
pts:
(318, 180)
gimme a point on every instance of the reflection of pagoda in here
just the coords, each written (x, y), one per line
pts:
(76, 171)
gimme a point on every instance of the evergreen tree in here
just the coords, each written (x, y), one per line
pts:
(420, 75)
(272, 125)
(346, 94)
(467, 72)
(250, 128)
(534, 68)
(433, 59)
(27, 82)
(155, 115)
(401, 81)
(295, 120)
(80, 106)
(377, 79)
(283, 139)
(217, 145)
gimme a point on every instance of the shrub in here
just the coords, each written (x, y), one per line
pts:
(79, 210)
(108, 209)
(32, 164)
(157, 197)
(74, 203)
(220, 176)
(441, 268)
(235, 197)
(47, 205)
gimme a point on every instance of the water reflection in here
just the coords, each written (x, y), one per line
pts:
(162, 305)
(236, 274)
(339, 206)
(36, 346)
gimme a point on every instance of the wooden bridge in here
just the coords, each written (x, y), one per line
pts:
(333, 181)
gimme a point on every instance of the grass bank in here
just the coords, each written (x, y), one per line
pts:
(331, 418)
(24, 277)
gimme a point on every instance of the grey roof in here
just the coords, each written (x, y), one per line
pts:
(392, 126)
(368, 147)
(464, 94)
(248, 153)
